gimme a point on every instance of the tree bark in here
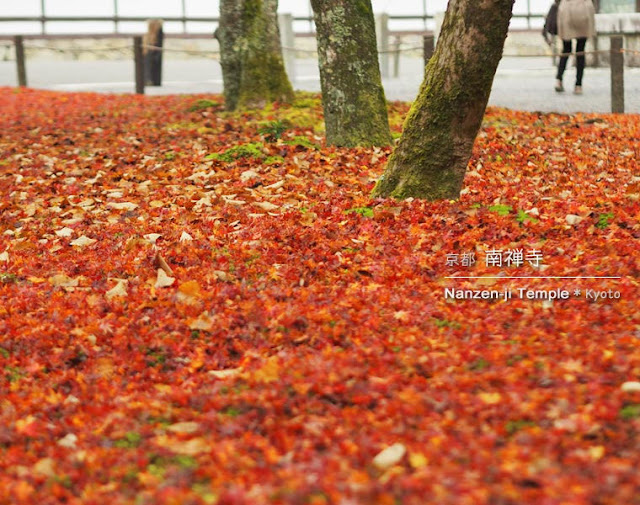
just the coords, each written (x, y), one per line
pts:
(251, 54)
(432, 156)
(153, 57)
(355, 109)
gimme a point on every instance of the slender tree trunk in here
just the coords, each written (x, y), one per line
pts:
(152, 57)
(251, 55)
(355, 110)
(431, 159)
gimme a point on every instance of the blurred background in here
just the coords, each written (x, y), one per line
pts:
(86, 45)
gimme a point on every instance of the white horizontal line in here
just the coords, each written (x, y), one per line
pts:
(85, 85)
(131, 84)
(532, 277)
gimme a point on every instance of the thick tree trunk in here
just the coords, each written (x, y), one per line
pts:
(355, 110)
(434, 150)
(251, 55)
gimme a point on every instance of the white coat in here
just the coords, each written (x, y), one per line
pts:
(576, 19)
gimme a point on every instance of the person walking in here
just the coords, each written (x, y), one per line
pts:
(576, 20)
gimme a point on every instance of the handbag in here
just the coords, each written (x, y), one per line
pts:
(551, 21)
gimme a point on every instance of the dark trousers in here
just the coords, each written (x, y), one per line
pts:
(580, 59)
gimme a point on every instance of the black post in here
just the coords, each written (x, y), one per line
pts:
(18, 41)
(617, 74)
(429, 46)
(43, 16)
(138, 59)
(115, 16)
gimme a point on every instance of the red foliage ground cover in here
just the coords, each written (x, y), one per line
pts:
(250, 327)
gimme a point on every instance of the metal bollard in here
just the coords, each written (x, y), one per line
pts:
(382, 35)
(617, 74)
(288, 40)
(138, 59)
(396, 56)
(18, 41)
(429, 47)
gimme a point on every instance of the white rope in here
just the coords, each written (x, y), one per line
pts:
(187, 51)
(79, 49)
(294, 49)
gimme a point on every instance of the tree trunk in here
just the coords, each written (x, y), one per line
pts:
(355, 110)
(434, 150)
(153, 57)
(251, 55)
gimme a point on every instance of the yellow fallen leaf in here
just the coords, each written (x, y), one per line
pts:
(490, 398)
(224, 374)
(275, 185)
(83, 241)
(187, 447)
(120, 289)
(389, 456)
(418, 460)
(45, 467)
(203, 322)
(122, 205)
(163, 280)
(152, 237)
(64, 232)
(269, 372)
(266, 205)
(596, 452)
(222, 276)
(190, 288)
(63, 281)
(184, 427)
(631, 387)
(104, 367)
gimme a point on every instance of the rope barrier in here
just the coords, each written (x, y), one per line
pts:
(187, 51)
(544, 55)
(584, 53)
(295, 49)
(79, 49)
(580, 53)
(401, 50)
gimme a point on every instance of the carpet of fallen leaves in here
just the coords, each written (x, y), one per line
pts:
(204, 308)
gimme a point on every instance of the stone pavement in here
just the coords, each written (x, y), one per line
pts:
(522, 83)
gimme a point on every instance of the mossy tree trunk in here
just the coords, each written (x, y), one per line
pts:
(355, 109)
(431, 158)
(251, 54)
